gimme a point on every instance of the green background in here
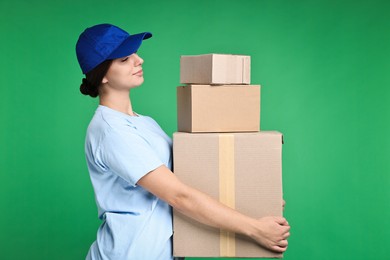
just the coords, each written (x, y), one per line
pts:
(324, 69)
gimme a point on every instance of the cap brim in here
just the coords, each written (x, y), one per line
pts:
(130, 45)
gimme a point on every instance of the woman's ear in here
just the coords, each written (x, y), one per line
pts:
(104, 80)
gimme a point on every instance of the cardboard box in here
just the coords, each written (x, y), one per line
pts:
(215, 69)
(243, 171)
(225, 108)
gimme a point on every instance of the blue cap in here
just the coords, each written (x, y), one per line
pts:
(105, 42)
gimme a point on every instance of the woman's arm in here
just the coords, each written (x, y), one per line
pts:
(271, 232)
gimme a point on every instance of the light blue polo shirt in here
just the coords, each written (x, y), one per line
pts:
(120, 149)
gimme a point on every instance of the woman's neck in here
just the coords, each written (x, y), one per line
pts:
(119, 101)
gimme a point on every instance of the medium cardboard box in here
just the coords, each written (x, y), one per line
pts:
(224, 108)
(215, 69)
(241, 170)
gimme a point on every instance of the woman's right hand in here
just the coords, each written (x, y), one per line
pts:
(272, 233)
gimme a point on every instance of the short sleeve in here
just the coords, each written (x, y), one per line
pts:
(128, 155)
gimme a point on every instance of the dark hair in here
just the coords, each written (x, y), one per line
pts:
(93, 79)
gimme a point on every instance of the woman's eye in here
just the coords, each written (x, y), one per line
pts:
(125, 59)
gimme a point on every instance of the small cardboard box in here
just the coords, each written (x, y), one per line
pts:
(241, 170)
(215, 69)
(225, 108)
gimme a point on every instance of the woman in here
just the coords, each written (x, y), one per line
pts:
(129, 161)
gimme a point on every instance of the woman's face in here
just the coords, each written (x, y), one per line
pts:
(125, 73)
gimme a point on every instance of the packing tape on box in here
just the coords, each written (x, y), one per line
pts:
(226, 189)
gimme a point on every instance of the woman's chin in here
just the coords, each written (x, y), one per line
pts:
(138, 82)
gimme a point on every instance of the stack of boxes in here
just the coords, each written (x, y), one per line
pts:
(220, 150)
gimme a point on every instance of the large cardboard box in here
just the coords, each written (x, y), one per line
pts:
(225, 108)
(243, 171)
(215, 69)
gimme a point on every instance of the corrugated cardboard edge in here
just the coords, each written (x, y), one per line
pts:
(246, 70)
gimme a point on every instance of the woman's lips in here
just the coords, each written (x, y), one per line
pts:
(140, 72)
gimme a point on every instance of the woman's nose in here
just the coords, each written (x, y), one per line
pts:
(138, 60)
